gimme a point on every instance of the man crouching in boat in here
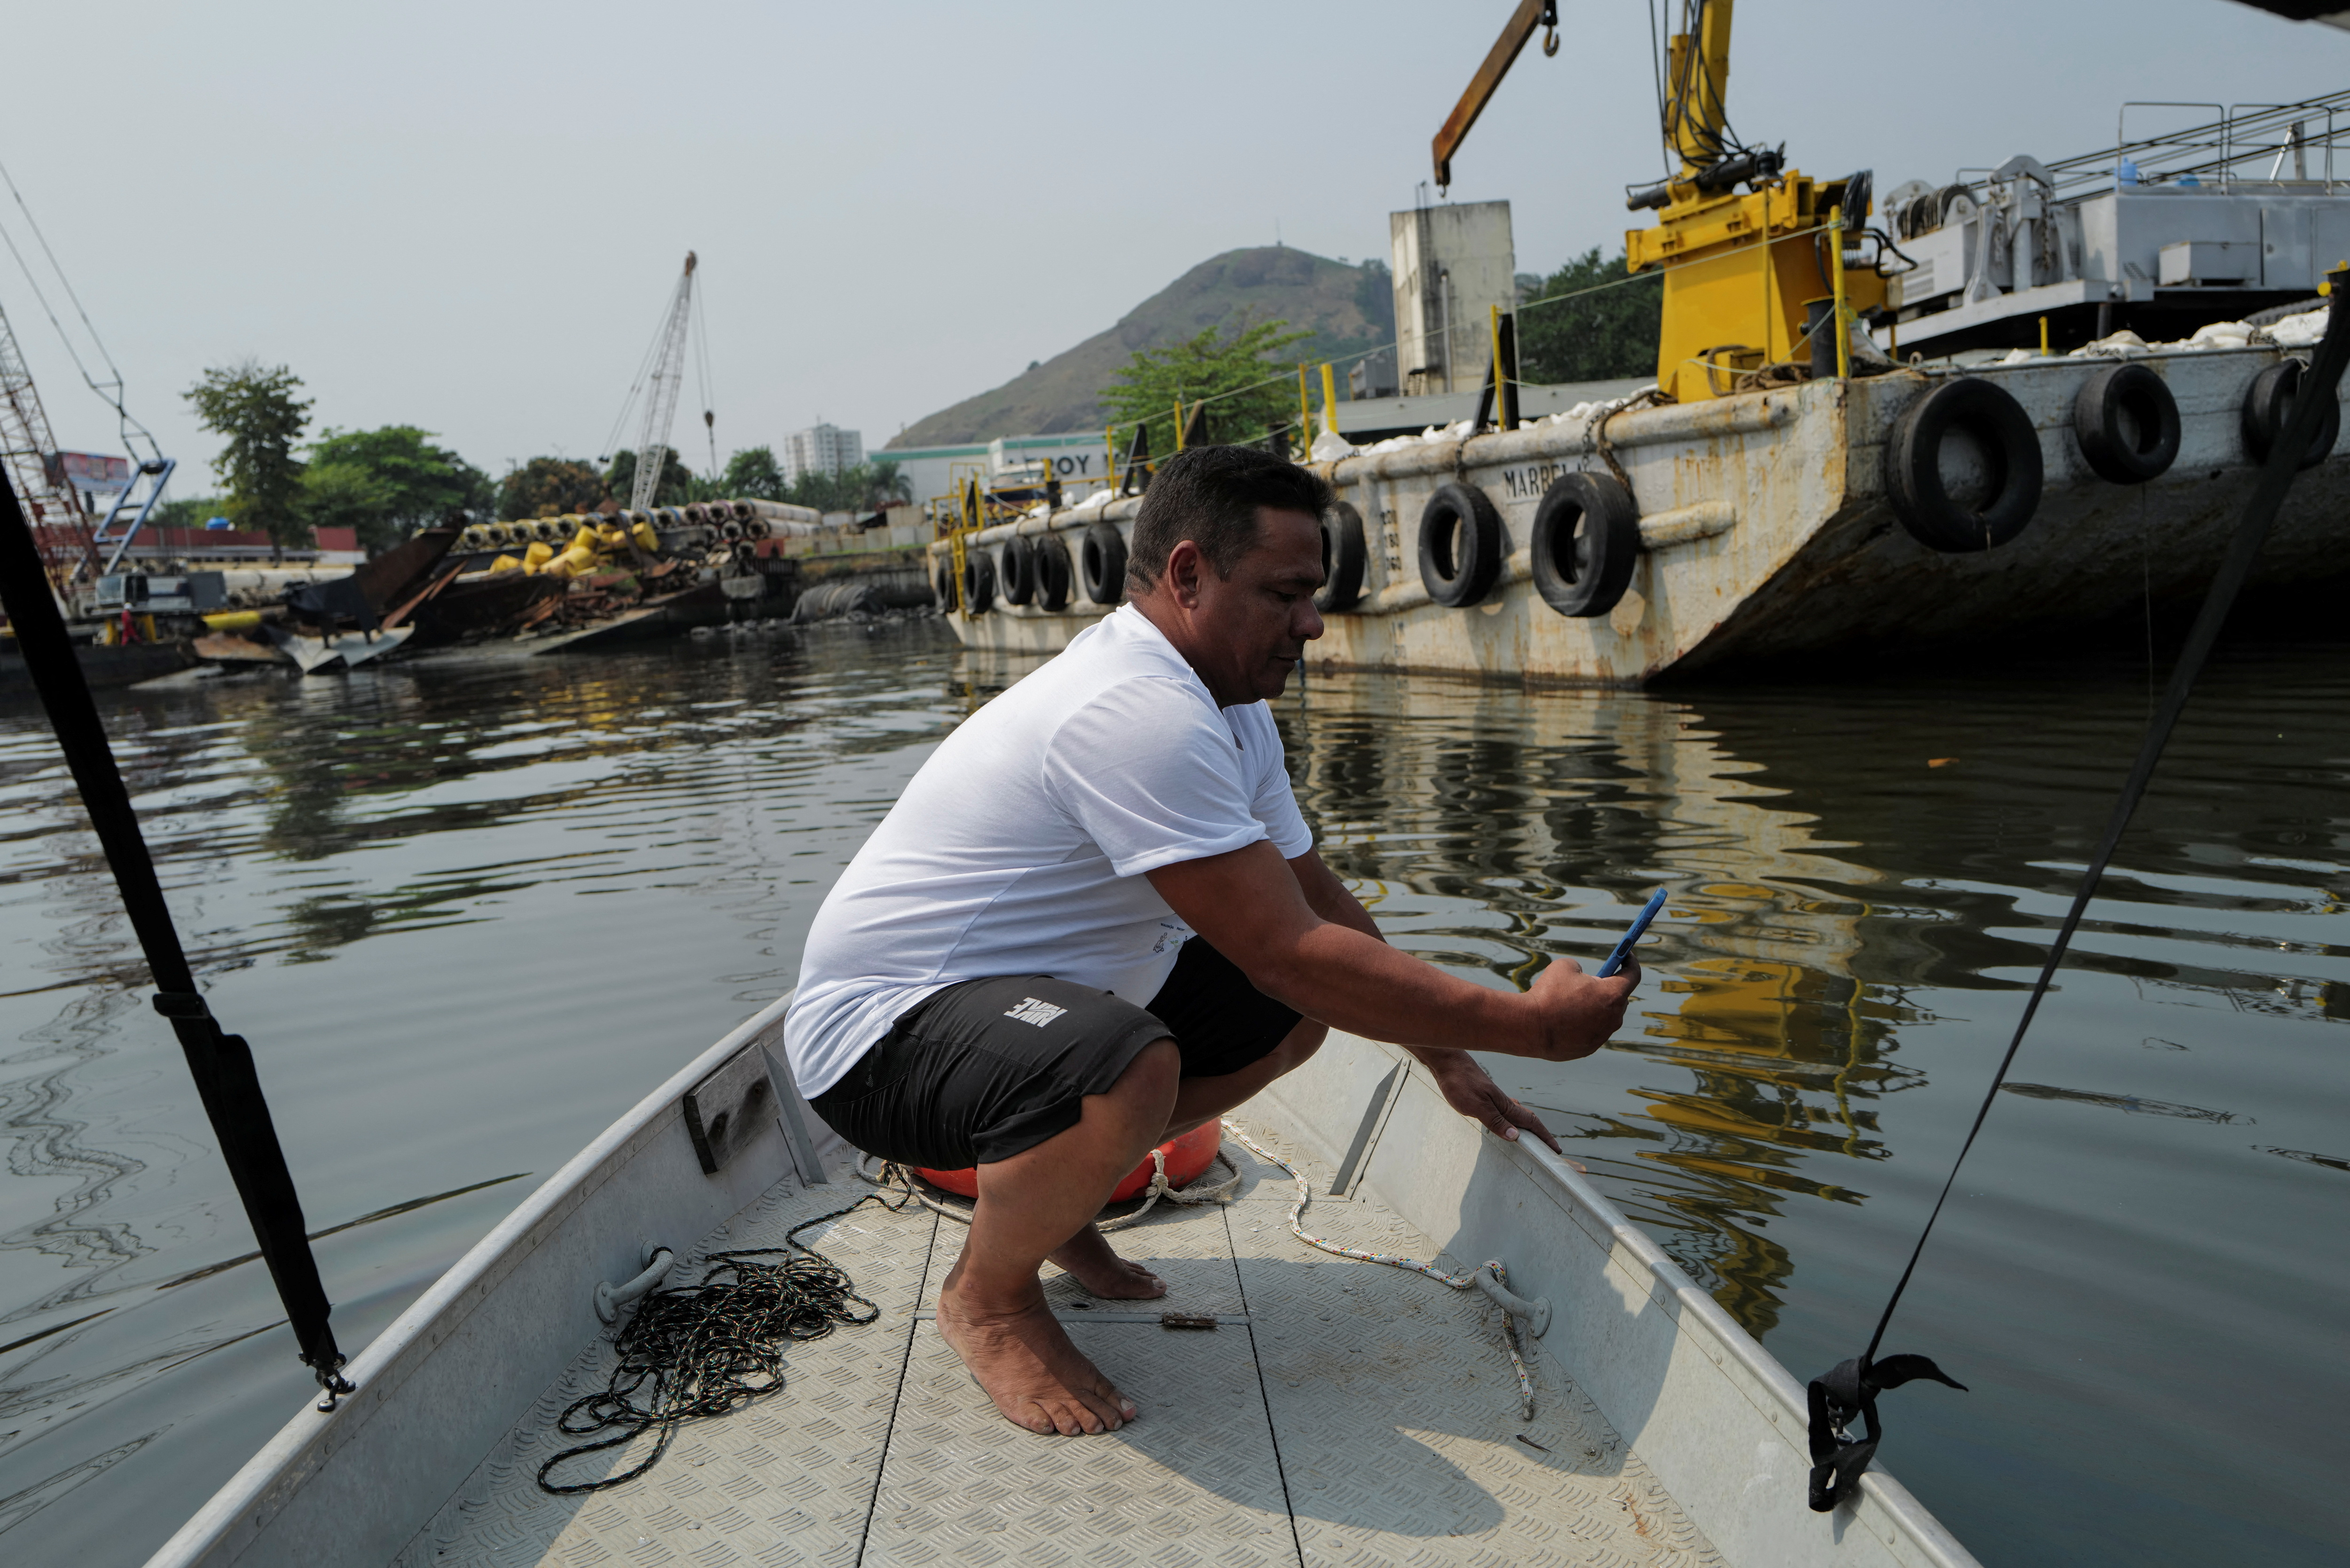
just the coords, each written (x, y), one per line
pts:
(1095, 920)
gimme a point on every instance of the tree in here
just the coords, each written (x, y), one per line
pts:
(864, 487)
(413, 483)
(550, 487)
(259, 419)
(193, 512)
(842, 492)
(1235, 371)
(677, 484)
(345, 494)
(753, 474)
(1594, 336)
(887, 484)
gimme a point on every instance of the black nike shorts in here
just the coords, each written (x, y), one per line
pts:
(987, 1069)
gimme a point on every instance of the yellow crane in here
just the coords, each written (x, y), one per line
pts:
(1744, 272)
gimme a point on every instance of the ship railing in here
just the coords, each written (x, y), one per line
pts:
(2287, 145)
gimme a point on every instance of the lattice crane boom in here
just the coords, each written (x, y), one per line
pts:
(660, 396)
(28, 447)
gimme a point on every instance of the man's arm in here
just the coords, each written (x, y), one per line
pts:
(1466, 1086)
(1252, 907)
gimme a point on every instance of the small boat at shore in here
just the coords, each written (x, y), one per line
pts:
(1333, 1410)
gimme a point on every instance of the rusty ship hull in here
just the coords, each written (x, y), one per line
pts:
(1767, 530)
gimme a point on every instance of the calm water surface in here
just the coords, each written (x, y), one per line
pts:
(469, 913)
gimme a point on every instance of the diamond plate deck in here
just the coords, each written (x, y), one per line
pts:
(1344, 1415)
(1187, 1248)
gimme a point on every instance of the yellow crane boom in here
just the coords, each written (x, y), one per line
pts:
(1530, 14)
(1741, 270)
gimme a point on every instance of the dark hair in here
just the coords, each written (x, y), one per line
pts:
(1210, 495)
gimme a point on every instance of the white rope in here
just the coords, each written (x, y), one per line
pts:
(1398, 1261)
(892, 1175)
(1199, 1191)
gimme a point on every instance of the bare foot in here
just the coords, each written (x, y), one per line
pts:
(1104, 1273)
(1036, 1377)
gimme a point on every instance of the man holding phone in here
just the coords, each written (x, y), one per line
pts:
(1095, 920)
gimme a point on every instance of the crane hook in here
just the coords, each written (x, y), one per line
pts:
(1550, 29)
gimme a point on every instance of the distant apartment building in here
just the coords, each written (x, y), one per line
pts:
(823, 449)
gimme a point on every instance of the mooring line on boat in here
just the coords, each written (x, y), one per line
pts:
(708, 1349)
(1848, 1392)
(1467, 1281)
(896, 1395)
(1264, 1394)
(228, 1083)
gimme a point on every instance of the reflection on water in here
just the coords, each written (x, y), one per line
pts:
(468, 913)
(1864, 878)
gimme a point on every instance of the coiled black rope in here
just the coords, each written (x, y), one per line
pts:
(705, 1349)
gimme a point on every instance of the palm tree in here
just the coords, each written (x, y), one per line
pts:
(885, 484)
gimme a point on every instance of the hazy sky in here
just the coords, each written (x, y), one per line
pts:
(468, 217)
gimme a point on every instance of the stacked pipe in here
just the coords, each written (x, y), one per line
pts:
(731, 521)
(781, 511)
(591, 546)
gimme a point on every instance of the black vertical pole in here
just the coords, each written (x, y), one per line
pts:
(1505, 375)
(1136, 477)
(221, 1063)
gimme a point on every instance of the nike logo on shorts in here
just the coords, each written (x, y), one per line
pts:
(1033, 1011)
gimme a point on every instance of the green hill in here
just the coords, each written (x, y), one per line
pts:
(1347, 308)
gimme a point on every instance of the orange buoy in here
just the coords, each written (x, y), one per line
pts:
(1187, 1158)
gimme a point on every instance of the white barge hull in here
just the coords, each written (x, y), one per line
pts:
(1767, 531)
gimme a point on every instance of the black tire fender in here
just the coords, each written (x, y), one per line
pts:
(1102, 564)
(1586, 540)
(1017, 567)
(1459, 544)
(1053, 573)
(942, 584)
(2268, 404)
(1343, 553)
(978, 580)
(2126, 423)
(1969, 408)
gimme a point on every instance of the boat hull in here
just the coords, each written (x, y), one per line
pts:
(102, 665)
(1716, 1421)
(1766, 533)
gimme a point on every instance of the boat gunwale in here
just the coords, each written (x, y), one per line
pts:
(1684, 1295)
(1887, 1510)
(306, 1442)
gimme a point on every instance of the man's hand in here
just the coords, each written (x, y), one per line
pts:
(1576, 1012)
(1470, 1090)
(1255, 908)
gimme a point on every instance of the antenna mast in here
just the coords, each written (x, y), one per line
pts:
(660, 400)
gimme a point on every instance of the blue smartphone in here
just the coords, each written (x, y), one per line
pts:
(1639, 929)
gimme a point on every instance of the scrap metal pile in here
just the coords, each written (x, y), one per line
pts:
(667, 568)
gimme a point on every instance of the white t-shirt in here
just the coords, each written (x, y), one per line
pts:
(1020, 846)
